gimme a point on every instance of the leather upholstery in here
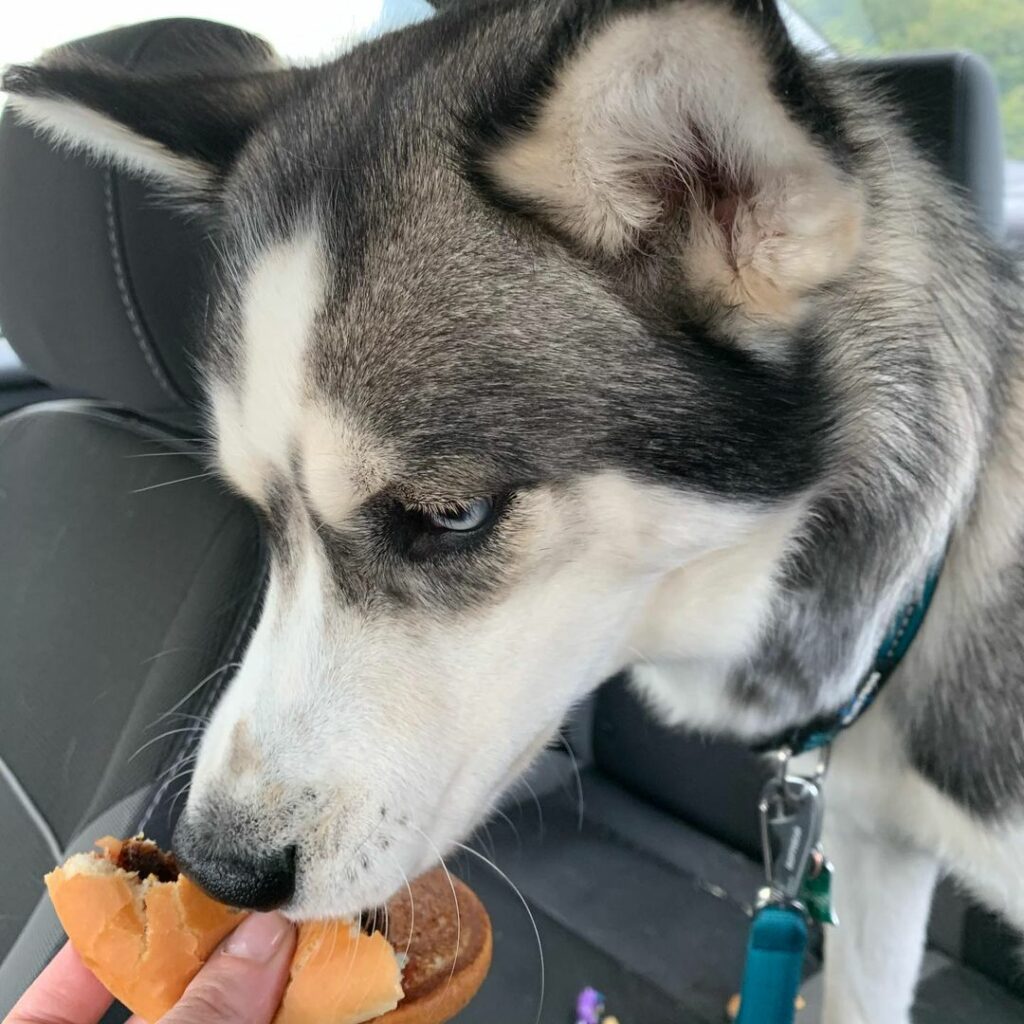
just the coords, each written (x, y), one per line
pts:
(125, 601)
(102, 283)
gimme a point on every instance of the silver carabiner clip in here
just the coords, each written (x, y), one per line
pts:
(791, 810)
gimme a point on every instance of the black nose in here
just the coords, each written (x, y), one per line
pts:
(253, 880)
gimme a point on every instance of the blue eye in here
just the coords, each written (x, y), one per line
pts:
(461, 518)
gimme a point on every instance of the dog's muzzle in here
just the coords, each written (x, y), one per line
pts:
(250, 879)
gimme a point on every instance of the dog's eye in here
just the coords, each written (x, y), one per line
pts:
(461, 518)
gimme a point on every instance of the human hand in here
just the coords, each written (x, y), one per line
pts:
(241, 983)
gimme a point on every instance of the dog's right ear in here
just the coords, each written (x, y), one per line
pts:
(184, 132)
(671, 128)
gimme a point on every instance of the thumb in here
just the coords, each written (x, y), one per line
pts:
(243, 981)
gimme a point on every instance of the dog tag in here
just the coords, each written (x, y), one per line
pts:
(816, 891)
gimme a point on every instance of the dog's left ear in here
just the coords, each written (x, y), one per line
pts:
(669, 123)
(184, 132)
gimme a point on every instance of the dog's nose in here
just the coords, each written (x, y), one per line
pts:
(255, 881)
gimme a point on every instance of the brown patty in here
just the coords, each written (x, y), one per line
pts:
(436, 929)
(146, 858)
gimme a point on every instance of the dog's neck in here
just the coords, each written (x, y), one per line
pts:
(929, 450)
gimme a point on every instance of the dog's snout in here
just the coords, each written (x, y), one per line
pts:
(251, 879)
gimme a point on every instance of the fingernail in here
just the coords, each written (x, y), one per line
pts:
(257, 937)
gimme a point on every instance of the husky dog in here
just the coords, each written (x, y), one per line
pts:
(556, 339)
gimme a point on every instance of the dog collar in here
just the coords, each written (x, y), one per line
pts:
(822, 730)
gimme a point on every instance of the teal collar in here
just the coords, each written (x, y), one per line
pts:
(821, 731)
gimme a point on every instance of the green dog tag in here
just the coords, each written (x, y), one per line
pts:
(816, 895)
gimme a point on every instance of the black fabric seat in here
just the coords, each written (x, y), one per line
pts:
(130, 580)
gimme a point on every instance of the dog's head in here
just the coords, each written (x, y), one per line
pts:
(507, 351)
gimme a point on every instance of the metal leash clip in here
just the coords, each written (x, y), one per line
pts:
(791, 810)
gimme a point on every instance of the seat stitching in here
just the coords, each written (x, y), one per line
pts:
(127, 300)
(131, 61)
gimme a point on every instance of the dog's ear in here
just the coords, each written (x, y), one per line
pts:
(184, 132)
(670, 123)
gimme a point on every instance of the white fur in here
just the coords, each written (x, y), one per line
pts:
(704, 616)
(342, 463)
(379, 709)
(890, 832)
(256, 428)
(79, 128)
(713, 606)
(882, 892)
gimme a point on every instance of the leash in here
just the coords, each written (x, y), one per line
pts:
(798, 876)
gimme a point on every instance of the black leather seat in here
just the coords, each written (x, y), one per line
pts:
(130, 579)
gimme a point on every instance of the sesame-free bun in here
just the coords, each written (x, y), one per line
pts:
(145, 930)
(144, 938)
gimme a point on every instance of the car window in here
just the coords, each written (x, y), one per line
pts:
(992, 28)
(299, 30)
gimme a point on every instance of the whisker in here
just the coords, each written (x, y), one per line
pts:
(335, 932)
(639, 656)
(331, 927)
(178, 796)
(492, 849)
(540, 810)
(180, 775)
(176, 440)
(191, 759)
(164, 653)
(169, 483)
(160, 455)
(353, 950)
(412, 903)
(359, 848)
(157, 739)
(526, 906)
(512, 825)
(319, 945)
(579, 782)
(369, 981)
(202, 719)
(334, 928)
(455, 900)
(195, 689)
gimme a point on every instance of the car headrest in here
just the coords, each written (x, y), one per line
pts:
(951, 105)
(102, 284)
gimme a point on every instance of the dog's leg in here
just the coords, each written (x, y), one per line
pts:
(882, 894)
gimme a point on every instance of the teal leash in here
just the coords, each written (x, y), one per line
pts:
(798, 890)
(798, 876)
(775, 965)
